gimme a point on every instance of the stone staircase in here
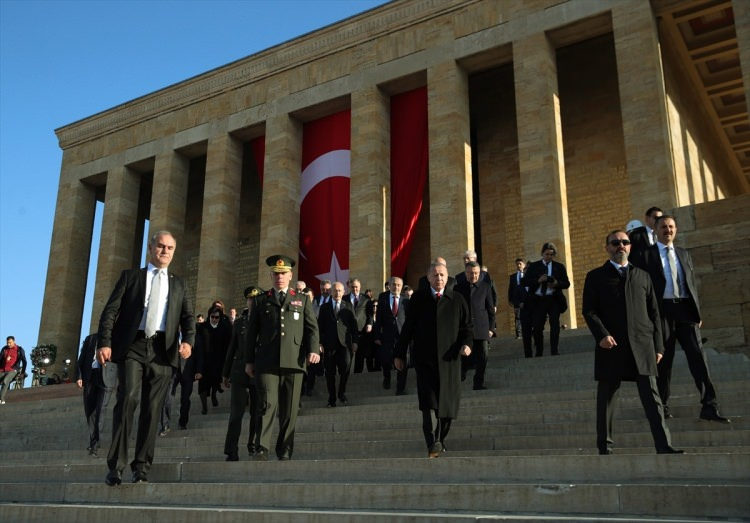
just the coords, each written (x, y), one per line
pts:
(523, 450)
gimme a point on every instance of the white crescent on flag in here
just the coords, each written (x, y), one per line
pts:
(328, 165)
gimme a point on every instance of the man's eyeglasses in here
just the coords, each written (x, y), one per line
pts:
(215, 317)
(617, 243)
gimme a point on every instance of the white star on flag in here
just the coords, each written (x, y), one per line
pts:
(335, 273)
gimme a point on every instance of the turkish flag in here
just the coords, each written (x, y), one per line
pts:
(324, 200)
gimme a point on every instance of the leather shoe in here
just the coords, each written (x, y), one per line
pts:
(713, 415)
(606, 452)
(139, 477)
(480, 387)
(113, 478)
(343, 399)
(233, 457)
(261, 455)
(670, 450)
(387, 383)
(435, 450)
(331, 404)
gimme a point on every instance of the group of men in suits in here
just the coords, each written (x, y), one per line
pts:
(638, 305)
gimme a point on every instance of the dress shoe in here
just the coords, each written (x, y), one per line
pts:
(93, 451)
(606, 452)
(113, 478)
(480, 387)
(261, 455)
(139, 477)
(713, 415)
(284, 457)
(331, 404)
(387, 383)
(233, 456)
(183, 427)
(164, 431)
(555, 353)
(435, 450)
(670, 450)
(343, 399)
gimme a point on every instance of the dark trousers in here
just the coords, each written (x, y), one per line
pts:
(278, 392)
(517, 318)
(166, 411)
(341, 361)
(546, 307)
(527, 320)
(678, 329)
(139, 378)
(435, 429)
(386, 363)
(242, 395)
(186, 381)
(606, 402)
(95, 399)
(477, 360)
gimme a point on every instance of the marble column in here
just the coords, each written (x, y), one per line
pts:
(540, 154)
(220, 223)
(279, 222)
(450, 182)
(648, 151)
(67, 271)
(119, 246)
(168, 201)
(370, 208)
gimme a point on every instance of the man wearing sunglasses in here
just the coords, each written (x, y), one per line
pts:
(671, 270)
(621, 310)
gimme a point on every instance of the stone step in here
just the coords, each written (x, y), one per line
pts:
(684, 499)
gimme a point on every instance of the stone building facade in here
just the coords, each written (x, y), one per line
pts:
(548, 120)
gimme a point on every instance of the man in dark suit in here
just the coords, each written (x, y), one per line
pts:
(622, 312)
(97, 382)
(438, 323)
(517, 296)
(391, 314)
(282, 337)
(643, 237)
(338, 338)
(478, 295)
(243, 393)
(671, 270)
(424, 282)
(325, 296)
(140, 329)
(471, 256)
(363, 311)
(546, 280)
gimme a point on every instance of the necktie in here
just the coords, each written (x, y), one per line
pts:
(395, 306)
(544, 283)
(336, 308)
(673, 271)
(153, 304)
(437, 296)
(281, 297)
(356, 301)
(623, 272)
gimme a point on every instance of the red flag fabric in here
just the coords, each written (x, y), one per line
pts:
(258, 146)
(409, 162)
(324, 200)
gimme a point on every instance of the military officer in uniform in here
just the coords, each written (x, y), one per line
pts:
(282, 338)
(242, 388)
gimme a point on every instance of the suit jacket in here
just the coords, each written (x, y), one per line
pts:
(483, 276)
(86, 360)
(234, 363)
(536, 269)
(482, 307)
(438, 330)
(339, 331)
(123, 312)
(388, 326)
(281, 337)
(516, 292)
(363, 311)
(629, 312)
(651, 263)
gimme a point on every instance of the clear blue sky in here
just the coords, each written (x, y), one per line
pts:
(62, 61)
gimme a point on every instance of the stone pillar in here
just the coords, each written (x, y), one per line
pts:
(220, 223)
(279, 220)
(168, 200)
(370, 209)
(741, 10)
(119, 248)
(540, 154)
(648, 151)
(67, 272)
(450, 183)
